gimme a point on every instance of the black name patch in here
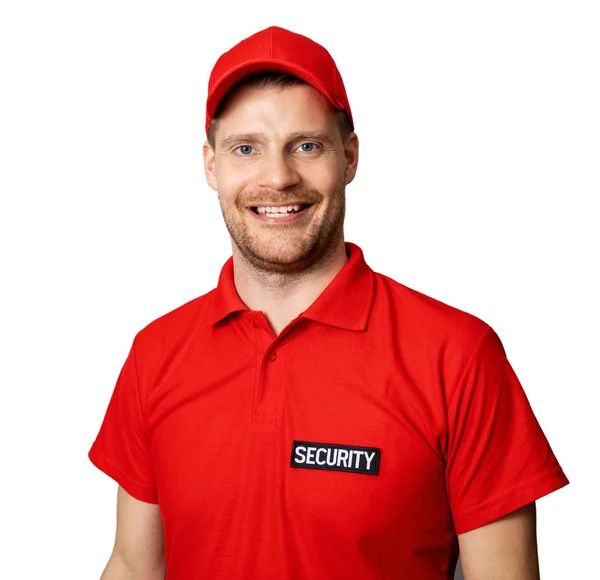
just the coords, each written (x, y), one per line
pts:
(334, 457)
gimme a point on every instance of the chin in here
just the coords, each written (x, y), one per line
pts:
(288, 250)
(281, 258)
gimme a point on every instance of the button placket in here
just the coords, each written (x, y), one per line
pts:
(268, 385)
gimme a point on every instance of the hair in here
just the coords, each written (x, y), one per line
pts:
(276, 80)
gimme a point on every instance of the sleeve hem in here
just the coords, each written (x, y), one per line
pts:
(144, 494)
(513, 499)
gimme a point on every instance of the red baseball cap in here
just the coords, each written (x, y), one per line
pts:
(277, 49)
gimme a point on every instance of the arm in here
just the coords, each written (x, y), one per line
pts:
(138, 553)
(505, 549)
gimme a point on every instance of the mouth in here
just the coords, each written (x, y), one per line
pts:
(280, 213)
(279, 210)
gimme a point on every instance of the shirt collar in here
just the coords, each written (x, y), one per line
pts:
(346, 302)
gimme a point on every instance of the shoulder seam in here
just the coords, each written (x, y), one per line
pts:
(486, 332)
(137, 386)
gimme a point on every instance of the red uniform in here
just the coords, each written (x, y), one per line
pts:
(355, 445)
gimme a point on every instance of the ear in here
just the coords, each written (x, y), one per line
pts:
(351, 155)
(209, 165)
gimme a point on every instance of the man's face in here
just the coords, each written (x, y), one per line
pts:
(277, 149)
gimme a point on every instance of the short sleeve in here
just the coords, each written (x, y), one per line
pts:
(498, 458)
(121, 447)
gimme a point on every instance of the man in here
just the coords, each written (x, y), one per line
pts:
(310, 418)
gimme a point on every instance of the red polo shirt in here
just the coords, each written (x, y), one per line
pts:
(355, 445)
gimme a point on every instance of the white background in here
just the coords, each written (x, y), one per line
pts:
(479, 127)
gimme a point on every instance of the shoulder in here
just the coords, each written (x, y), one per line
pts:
(426, 332)
(424, 316)
(160, 334)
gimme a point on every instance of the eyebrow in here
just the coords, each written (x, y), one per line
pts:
(256, 137)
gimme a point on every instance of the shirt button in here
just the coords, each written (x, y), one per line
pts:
(253, 323)
(273, 357)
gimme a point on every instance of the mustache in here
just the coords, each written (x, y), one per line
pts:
(294, 194)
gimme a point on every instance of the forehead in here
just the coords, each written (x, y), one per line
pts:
(276, 110)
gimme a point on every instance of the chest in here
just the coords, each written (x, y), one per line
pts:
(225, 417)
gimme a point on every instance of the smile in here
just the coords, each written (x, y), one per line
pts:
(280, 213)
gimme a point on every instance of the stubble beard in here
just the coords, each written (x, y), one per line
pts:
(288, 248)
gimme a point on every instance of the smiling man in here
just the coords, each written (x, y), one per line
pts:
(310, 418)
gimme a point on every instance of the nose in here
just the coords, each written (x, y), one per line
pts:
(277, 171)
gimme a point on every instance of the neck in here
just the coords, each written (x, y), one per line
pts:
(283, 296)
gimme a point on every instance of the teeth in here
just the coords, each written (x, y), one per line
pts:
(271, 211)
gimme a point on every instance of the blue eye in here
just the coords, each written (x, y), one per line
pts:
(308, 147)
(245, 149)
